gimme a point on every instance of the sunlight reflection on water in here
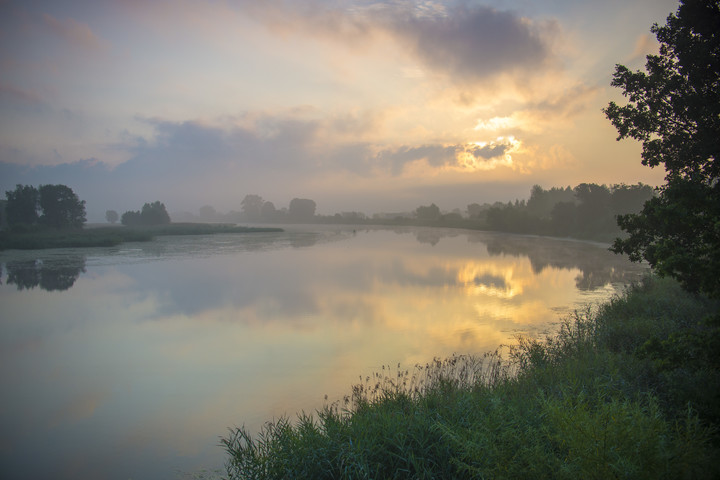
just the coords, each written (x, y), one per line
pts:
(131, 361)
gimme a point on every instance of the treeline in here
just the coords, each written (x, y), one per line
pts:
(586, 211)
(153, 213)
(55, 206)
(254, 208)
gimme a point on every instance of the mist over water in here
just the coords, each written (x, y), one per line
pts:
(132, 361)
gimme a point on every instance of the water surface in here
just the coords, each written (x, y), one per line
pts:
(132, 361)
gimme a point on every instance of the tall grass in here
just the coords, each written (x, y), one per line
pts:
(598, 399)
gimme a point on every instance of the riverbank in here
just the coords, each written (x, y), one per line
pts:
(41, 238)
(628, 390)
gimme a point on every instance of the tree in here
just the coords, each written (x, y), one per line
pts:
(674, 110)
(541, 202)
(593, 210)
(111, 216)
(154, 214)
(563, 218)
(3, 214)
(302, 209)
(131, 218)
(268, 211)
(629, 198)
(474, 210)
(252, 207)
(151, 214)
(22, 205)
(430, 212)
(61, 207)
(208, 213)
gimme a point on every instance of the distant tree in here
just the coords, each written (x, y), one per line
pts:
(541, 202)
(513, 218)
(61, 207)
(151, 214)
(131, 218)
(3, 215)
(593, 210)
(430, 212)
(563, 218)
(111, 216)
(350, 217)
(252, 207)
(674, 110)
(268, 211)
(208, 213)
(474, 210)
(301, 209)
(154, 214)
(452, 218)
(629, 198)
(22, 205)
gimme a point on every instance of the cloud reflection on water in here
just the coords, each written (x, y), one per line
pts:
(157, 348)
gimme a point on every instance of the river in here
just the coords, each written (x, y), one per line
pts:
(131, 362)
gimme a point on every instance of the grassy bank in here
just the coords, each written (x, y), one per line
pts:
(41, 238)
(629, 390)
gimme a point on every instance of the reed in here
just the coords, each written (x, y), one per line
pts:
(597, 399)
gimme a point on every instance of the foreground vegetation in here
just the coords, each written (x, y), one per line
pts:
(629, 390)
(36, 237)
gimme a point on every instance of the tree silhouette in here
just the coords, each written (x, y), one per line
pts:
(268, 211)
(674, 110)
(22, 205)
(52, 205)
(302, 209)
(61, 207)
(252, 207)
(430, 212)
(154, 214)
(151, 214)
(111, 216)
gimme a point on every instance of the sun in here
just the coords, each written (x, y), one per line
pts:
(487, 155)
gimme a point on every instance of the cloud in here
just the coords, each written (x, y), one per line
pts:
(488, 151)
(475, 42)
(15, 95)
(467, 43)
(645, 44)
(474, 156)
(190, 163)
(568, 102)
(435, 155)
(74, 32)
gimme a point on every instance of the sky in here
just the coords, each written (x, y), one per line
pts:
(370, 106)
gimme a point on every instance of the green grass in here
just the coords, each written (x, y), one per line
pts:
(36, 238)
(627, 390)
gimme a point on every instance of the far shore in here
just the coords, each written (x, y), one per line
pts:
(97, 235)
